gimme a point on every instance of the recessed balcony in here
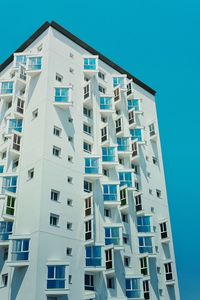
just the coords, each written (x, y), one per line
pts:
(62, 97)
(130, 92)
(34, 65)
(6, 90)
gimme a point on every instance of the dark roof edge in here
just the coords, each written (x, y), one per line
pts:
(81, 44)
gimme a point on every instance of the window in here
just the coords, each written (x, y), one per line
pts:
(86, 91)
(110, 282)
(168, 271)
(9, 184)
(20, 250)
(104, 135)
(35, 113)
(16, 142)
(105, 172)
(116, 94)
(4, 280)
(125, 218)
(69, 202)
(1, 168)
(15, 125)
(88, 230)
(89, 282)
(146, 290)
(87, 112)
(20, 59)
(55, 195)
(144, 266)
(56, 151)
(138, 203)
(137, 185)
(56, 131)
(71, 70)
(56, 277)
(152, 129)
(88, 206)
(90, 63)
(123, 197)
(30, 174)
(87, 129)
(134, 103)
(118, 124)
(34, 63)
(87, 147)
(93, 256)
(125, 238)
(5, 253)
(110, 192)
(54, 220)
(101, 75)
(163, 230)
(155, 160)
(143, 224)
(106, 103)
(108, 154)
(69, 226)
(125, 179)
(20, 106)
(136, 134)
(59, 77)
(107, 212)
(61, 95)
(15, 164)
(136, 169)
(111, 235)
(127, 261)
(123, 144)
(71, 55)
(7, 87)
(87, 186)
(91, 165)
(102, 89)
(145, 245)
(70, 158)
(69, 251)
(70, 138)
(158, 193)
(119, 81)
(70, 120)
(131, 117)
(5, 230)
(133, 288)
(4, 154)
(10, 205)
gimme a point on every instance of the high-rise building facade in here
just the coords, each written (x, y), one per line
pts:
(83, 203)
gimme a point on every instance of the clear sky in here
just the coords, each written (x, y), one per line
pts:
(159, 42)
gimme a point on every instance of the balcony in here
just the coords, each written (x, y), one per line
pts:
(92, 169)
(19, 60)
(93, 260)
(109, 157)
(19, 253)
(123, 147)
(62, 97)
(120, 82)
(9, 208)
(113, 236)
(14, 126)
(34, 65)
(6, 91)
(134, 104)
(57, 278)
(106, 106)
(5, 232)
(129, 92)
(117, 97)
(133, 288)
(136, 135)
(90, 66)
(9, 185)
(126, 179)
(124, 199)
(19, 107)
(110, 195)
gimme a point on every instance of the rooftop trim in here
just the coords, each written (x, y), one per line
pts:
(79, 42)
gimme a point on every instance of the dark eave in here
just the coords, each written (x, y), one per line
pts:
(82, 44)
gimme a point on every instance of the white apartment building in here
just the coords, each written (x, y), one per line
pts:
(83, 203)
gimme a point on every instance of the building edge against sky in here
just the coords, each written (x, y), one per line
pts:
(83, 202)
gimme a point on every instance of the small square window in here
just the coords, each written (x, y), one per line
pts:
(121, 161)
(70, 279)
(39, 48)
(147, 158)
(54, 220)
(70, 158)
(57, 131)
(150, 192)
(69, 225)
(71, 55)
(154, 160)
(70, 120)
(71, 70)
(55, 195)
(69, 251)
(106, 172)
(56, 151)
(152, 209)
(70, 138)
(69, 179)
(59, 77)
(4, 280)
(149, 174)
(110, 282)
(107, 213)
(158, 193)
(127, 261)
(69, 202)
(35, 113)
(30, 174)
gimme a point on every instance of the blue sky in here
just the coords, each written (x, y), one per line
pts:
(157, 41)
